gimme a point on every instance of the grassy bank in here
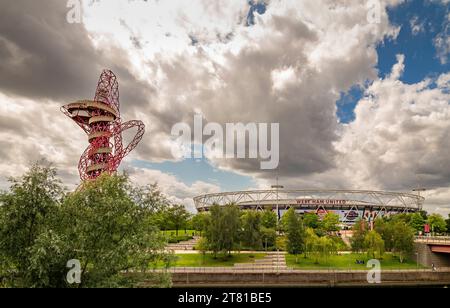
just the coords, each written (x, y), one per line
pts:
(348, 261)
(198, 260)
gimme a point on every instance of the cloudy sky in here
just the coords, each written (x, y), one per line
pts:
(361, 89)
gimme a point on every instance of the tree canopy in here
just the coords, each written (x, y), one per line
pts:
(103, 225)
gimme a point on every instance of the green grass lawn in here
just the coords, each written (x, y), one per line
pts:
(348, 261)
(198, 260)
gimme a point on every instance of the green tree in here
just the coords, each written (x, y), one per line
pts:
(269, 219)
(437, 223)
(448, 223)
(311, 220)
(311, 239)
(101, 225)
(324, 247)
(251, 230)
(27, 212)
(403, 240)
(374, 244)
(295, 233)
(177, 217)
(268, 237)
(359, 232)
(108, 232)
(222, 233)
(200, 221)
(330, 222)
(417, 222)
(384, 227)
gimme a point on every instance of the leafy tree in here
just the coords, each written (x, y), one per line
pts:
(203, 247)
(27, 211)
(108, 232)
(417, 222)
(374, 244)
(311, 239)
(437, 223)
(424, 214)
(200, 221)
(404, 217)
(268, 237)
(384, 227)
(100, 224)
(150, 197)
(359, 232)
(448, 223)
(251, 229)
(330, 222)
(324, 247)
(403, 239)
(177, 217)
(269, 219)
(311, 220)
(295, 233)
(222, 233)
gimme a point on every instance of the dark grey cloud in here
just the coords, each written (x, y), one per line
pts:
(45, 57)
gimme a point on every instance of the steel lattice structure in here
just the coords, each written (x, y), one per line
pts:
(355, 203)
(100, 119)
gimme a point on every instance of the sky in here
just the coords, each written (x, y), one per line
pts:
(361, 103)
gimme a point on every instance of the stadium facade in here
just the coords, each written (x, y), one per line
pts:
(350, 205)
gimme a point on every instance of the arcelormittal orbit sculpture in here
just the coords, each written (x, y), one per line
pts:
(100, 119)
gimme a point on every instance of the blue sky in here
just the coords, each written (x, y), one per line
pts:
(421, 59)
(421, 62)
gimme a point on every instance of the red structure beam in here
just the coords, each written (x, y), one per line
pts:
(440, 248)
(101, 121)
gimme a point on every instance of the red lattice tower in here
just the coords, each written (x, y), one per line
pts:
(101, 121)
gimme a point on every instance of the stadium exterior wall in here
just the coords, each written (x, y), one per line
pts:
(350, 205)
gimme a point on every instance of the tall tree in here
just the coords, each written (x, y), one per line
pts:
(384, 227)
(403, 240)
(27, 211)
(222, 232)
(100, 225)
(374, 244)
(108, 232)
(448, 223)
(269, 219)
(360, 229)
(177, 216)
(311, 220)
(268, 237)
(417, 222)
(295, 233)
(437, 223)
(330, 222)
(200, 221)
(251, 229)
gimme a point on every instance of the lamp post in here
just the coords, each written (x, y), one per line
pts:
(277, 187)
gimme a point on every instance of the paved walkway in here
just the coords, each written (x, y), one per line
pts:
(184, 246)
(272, 261)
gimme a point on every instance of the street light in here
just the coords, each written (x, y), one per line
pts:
(277, 187)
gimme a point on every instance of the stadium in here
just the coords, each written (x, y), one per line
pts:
(350, 205)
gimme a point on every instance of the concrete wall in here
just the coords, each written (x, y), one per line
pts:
(304, 278)
(427, 257)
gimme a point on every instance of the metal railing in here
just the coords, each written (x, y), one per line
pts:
(433, 239)
(231, 270)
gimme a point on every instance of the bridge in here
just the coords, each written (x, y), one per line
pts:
(433, 250)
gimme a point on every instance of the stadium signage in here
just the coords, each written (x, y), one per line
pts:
(321, 201)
